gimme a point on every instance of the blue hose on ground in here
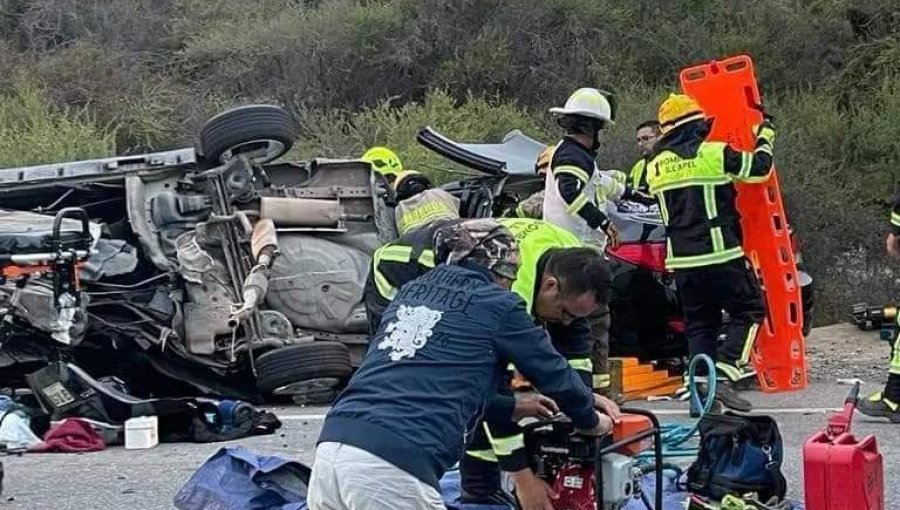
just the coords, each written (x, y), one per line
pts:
(676, 436)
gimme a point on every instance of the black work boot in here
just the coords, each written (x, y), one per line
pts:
(726, 396)
(703, 389)
(876, 405)
(731, 397)
(747, 382)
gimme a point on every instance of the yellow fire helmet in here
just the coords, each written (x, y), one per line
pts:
(383, 160)
(679, 109)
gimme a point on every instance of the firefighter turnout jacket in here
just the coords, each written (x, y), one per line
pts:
(576, 191)
(424, 208)
(693, 180)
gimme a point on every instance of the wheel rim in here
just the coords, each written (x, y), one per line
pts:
(308, 386)
(257, 151)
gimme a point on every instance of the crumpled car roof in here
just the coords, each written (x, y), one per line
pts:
(514, 155)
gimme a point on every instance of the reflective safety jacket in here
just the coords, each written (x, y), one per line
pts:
(397, 263)
(693, 179)
(535, 238)
(637, 177)
(895, 214)
(424, 208)
(575, 193)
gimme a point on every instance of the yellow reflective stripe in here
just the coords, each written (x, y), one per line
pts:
(670, 254)
(709, 200)
(427, 258)
(691, 181)
(602, 381)
(731, 372)
(384, 287)
(879, 397)
(407, 223)
(505, 446)
(388, 253)
(684, 262)
(573, 170)
(485, 455)
(749, 340)
(895, 219)
(577, 204)
(582, 364)
(895, 359)
(746, 163)
(636, 173)
(393, 253)
(756, 180)
(766, 148)
(718, 241)
(663, 210)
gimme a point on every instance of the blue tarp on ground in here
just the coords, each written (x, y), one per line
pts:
(238, 479)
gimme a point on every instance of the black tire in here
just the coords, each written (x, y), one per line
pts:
(302, 362)
(263, 128)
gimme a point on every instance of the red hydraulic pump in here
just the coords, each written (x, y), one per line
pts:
(840, 472)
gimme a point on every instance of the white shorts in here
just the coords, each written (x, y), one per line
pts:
(348, 478)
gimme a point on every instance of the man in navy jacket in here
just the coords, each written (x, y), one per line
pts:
(435, 362)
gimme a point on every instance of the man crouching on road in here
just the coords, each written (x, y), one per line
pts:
(435, 362)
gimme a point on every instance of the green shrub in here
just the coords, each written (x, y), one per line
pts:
(33, 132)
(361, 72)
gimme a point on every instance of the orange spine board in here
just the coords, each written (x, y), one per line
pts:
(727, 90)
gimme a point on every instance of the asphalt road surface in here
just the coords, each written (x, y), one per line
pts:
(119, 479)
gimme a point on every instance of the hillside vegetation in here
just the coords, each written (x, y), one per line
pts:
(83, 78)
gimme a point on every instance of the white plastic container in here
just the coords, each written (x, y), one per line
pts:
(141, 433)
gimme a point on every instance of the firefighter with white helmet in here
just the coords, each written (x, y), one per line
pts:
(576, 194)
(575, 187)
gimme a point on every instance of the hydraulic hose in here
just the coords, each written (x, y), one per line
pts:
(676, 436)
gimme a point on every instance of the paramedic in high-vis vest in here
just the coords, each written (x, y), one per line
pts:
(647, 133)
(693, 180)
(886, 403)
(561, 283)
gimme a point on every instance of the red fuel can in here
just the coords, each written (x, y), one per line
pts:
(839, 471)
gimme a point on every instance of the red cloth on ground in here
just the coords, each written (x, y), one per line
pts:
(72, 435)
